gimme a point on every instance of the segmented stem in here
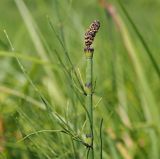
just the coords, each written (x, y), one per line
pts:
(89, 38)
(89, 97)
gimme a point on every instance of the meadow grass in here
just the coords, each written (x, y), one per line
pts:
(43, 109)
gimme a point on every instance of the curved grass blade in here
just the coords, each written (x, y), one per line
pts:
(150, 54)
(7, 90)
(33, 31)
(24, 57)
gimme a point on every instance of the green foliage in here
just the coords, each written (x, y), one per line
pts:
(42, 74)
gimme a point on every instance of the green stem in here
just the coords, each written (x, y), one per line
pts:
(89, 97)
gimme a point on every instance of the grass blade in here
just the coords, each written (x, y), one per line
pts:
(149, 52)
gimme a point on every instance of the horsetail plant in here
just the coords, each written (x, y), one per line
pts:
(89, 38)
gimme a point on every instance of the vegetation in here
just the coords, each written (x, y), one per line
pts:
(55, 104)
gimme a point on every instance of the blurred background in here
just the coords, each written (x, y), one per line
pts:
(42, 60)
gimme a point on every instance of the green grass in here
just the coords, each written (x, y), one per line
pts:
(42, 79)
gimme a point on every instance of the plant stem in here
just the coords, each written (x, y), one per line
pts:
(89, 97)
(89, 38)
